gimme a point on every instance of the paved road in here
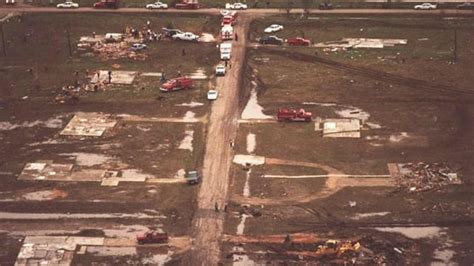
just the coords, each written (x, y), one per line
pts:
(208, 224)
(249, 11)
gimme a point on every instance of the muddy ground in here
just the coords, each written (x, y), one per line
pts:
(416, 107)
(37, 66)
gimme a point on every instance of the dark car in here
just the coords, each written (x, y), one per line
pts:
(465, 6)
(192, 177)
(326, 6)
(270, 40)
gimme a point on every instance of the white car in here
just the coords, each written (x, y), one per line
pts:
(186, 36)
(220, 70)
(235, 6)
(212, 95)
(426, 6)
(10, 2)
(273, 28)
(157, 5)
(68, 4)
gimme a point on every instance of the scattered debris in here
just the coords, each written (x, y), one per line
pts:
(423, 176)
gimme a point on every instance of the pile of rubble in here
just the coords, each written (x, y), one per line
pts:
(119, 50)
(423, 176)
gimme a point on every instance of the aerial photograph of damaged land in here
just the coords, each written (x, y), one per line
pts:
(214, 132)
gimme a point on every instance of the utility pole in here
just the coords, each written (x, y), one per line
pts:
(4, 48)
(69, 40)
(455, 52)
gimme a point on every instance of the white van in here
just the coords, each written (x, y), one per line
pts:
(226, 49)
(227, 32)
(113, 37)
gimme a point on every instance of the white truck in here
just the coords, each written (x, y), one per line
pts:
(186, 36)
(227, 32)
(226, 49)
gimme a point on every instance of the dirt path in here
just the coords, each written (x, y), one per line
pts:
(335, 181)
(249, 12)
(208, 225)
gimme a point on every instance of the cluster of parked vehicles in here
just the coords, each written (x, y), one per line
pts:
(229, 6)
(275, 40)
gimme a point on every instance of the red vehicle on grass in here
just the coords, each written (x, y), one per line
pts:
(180, 83)
(287, 114)
(298, 41)
(151, 237)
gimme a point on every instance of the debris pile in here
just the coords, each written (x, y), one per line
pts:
(423, 176)
(119, 50)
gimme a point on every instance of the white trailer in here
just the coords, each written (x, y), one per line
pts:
(226, 49)
(227, 32)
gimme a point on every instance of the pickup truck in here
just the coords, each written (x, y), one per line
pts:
(298, 41)
(186, 36)
(177, 84)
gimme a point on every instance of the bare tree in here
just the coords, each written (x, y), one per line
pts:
(307, 5)
(289, 6)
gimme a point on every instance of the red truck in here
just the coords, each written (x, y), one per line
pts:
(298, 41)
(177, 84)
(229, 18)
(187, 5)
(286, 114)
(107, 4)
(152, 236)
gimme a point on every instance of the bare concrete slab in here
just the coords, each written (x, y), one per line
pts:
(369, 43)
(118, 77)
(88, 124)
(52, 250)
(339, 128)
(248, 159)
(45, 170)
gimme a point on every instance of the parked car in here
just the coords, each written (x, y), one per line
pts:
(177, 84)
(426, 6)
(192, 177)
(68, 4)
(10, 2)
(152, 237)
(466, 6)
(270, 40)
(138, 47)
(326, 6)
(106, 4)
(171, 32)
(220, 70)
(186, 36)
(273, 28)
(157, 5)
(298, 41)
(235, 6)
(212, 95)
(187, 5)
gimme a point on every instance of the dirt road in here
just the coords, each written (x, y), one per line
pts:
(208, 224)
(250, 12)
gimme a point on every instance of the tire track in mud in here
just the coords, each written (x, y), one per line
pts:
(369, 73)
